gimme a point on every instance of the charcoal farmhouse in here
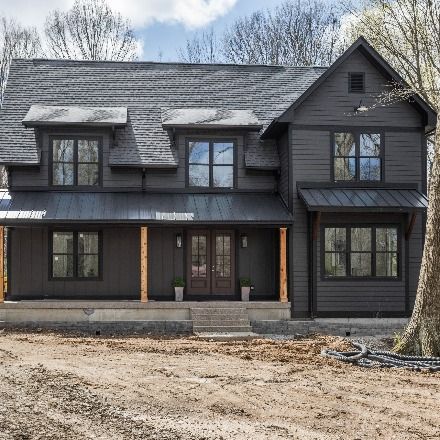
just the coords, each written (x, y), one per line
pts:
(127, 179)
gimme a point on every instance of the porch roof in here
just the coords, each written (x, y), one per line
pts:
(55, 207)
(362, 199)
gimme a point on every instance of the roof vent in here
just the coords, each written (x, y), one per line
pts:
(356, 82)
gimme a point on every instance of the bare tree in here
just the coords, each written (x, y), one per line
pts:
(15, 42)
(297, 32)
(202, 48)
(407, 32)
(90, 30)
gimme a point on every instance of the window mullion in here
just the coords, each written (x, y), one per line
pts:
(211, 164)
(357, 149)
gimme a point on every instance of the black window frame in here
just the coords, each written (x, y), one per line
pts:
(211, 165)
(76, 138)
(357, 132)
(348, 252)
(76, 254)
(350, 89)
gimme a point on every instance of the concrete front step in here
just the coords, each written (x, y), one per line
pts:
(217, 321)
(222, 328)
(226, 312)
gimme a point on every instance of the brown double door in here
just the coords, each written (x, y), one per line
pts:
(211, 263)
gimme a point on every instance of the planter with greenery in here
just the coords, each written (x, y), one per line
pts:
(245, 284)
(178, 284)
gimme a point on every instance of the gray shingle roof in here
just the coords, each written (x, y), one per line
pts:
(144, 88)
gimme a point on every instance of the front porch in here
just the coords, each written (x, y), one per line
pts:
(153, 316)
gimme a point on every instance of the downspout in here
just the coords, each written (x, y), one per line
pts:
(144, 179)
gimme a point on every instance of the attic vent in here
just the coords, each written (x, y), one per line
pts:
(356, 82)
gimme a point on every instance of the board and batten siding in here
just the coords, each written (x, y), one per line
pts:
(260, 261)
(29, 267)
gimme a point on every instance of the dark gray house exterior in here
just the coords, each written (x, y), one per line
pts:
(123, 176)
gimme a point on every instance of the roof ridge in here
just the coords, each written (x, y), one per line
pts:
(165, 63)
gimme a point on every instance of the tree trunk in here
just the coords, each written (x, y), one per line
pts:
(422, 335)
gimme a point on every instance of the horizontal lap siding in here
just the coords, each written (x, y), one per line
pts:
(403, 157)
(331, 104)
(111, 177)
(246, 179)
(363, 296)
(310, 161)
(283, 182)
(29, 267)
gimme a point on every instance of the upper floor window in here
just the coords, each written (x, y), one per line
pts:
(75, 161)
(364, 251)
(211, 163)
(356, 82)
(357, 156)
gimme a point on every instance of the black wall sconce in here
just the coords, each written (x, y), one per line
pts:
(244, 240)
(179, 240)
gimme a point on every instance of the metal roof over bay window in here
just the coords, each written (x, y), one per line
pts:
(332, 199)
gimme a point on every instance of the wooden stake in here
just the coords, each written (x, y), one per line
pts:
(2, 264)
(144, 264)
(283, 265)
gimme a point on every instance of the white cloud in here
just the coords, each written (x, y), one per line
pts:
(190, 13)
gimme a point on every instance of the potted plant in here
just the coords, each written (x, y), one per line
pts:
(178, 284)
(245, 284)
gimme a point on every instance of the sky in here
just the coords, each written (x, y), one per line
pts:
(162, 25)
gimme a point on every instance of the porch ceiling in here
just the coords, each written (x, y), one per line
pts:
(34, 207)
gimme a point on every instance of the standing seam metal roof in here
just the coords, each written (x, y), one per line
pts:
(374, 199)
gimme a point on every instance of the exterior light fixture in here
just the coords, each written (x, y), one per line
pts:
(361, 108)
(179, 240)
(244, 240)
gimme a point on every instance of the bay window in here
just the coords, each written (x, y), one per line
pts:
(361, 251)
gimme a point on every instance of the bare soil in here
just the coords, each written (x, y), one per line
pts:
(63, 386)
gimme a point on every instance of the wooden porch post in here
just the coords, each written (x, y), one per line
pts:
(283, 265)
(2, 263)
(144, 264)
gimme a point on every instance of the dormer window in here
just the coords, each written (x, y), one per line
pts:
(75, 161)
(211, 163)
(356, 82)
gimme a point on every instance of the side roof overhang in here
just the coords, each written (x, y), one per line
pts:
(325, 198)
(361, 44)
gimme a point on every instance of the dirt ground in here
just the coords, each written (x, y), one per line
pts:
(61, 386)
